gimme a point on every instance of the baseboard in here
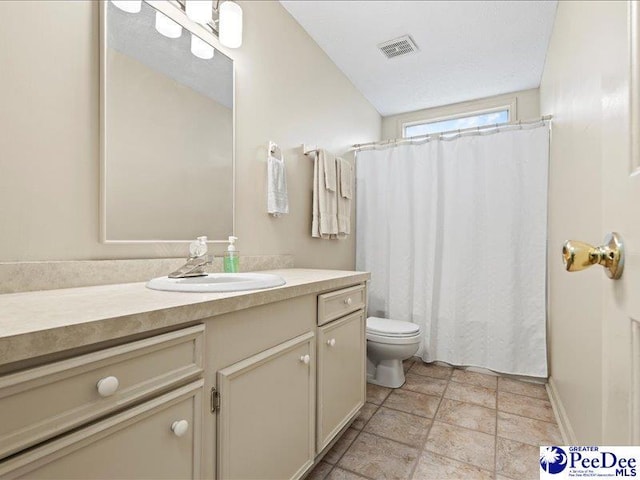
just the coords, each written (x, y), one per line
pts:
(568, 435)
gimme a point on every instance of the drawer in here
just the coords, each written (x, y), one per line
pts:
(42, 402)
(159, 439)
(339, 303)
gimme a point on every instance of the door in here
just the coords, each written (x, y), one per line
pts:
(267, 413)
(590, 85)
(621, 195)
(341, 375)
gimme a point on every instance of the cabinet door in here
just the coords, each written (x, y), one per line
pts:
(341, 375)
(267, 413)
(155, 440)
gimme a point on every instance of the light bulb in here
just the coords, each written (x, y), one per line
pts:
(167, 27)
(130, 6)
(200, 48)
(230, 24)
(200, 11)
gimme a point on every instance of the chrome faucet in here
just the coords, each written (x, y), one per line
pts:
(197, 261)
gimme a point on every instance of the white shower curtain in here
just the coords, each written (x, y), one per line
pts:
(454, 234)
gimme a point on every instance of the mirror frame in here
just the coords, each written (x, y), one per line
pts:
(171, 9)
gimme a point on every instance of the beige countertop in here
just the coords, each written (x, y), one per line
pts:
(40, 323)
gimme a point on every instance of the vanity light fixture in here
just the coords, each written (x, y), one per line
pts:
(200, 11)
(230, 24)
(229, 28)
(200, 48)
(167, 27)
(130, 6)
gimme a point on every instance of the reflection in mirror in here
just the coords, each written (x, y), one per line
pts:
(167, 131)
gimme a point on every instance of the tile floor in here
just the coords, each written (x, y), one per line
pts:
(445, 423)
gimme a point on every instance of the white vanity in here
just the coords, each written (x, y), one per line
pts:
(124, 382)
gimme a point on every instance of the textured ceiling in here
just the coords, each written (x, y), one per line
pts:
(468, 49)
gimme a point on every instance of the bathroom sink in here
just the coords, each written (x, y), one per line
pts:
(217, 282)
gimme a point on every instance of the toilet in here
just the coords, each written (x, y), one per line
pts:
(389, 342)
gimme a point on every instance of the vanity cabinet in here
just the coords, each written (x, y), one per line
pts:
(341, 375)
(267, 411)
(254, 393)
(287, 389)
(42, 402)
(263, 364)
(130, 411)
(159, 439)
(342, 355)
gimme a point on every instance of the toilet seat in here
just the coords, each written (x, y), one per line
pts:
(391, 328)
(398, 332)
(372, 337)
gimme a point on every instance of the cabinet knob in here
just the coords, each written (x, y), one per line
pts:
(180, 427)
(348, 301)
(331, 342)
(305, 359)
(107, 386)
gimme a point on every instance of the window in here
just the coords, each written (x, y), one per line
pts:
(477, 119)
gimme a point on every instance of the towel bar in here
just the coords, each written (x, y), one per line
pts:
(308, 149)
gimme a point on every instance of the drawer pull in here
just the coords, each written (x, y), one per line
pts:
(305, 359)
(348, 301)
(331, 342)
(107, 386)
(180, 427)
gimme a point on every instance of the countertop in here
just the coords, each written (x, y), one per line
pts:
(39, 323)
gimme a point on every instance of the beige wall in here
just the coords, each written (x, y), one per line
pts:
(527, 104)
(287, 90)
(576, 89)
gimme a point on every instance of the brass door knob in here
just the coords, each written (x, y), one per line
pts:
(578, 255)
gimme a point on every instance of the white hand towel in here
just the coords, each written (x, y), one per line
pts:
(346, 178)
(345, 182)
(324, 222)
(277, 198)
(330, 168)
(315, 213)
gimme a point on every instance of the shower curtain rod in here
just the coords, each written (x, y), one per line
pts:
(452, 134)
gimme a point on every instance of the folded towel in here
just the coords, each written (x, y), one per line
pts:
(315, 211)
(346, 178)
(324, 222)
(345, 182)
(277, 198)
(330, 175)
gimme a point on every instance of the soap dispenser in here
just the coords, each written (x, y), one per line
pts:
(232, 257)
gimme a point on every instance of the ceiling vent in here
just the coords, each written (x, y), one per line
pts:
(398, 46)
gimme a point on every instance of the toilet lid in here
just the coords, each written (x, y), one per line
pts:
(391, 328)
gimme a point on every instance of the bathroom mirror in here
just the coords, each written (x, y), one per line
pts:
(167, 128)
